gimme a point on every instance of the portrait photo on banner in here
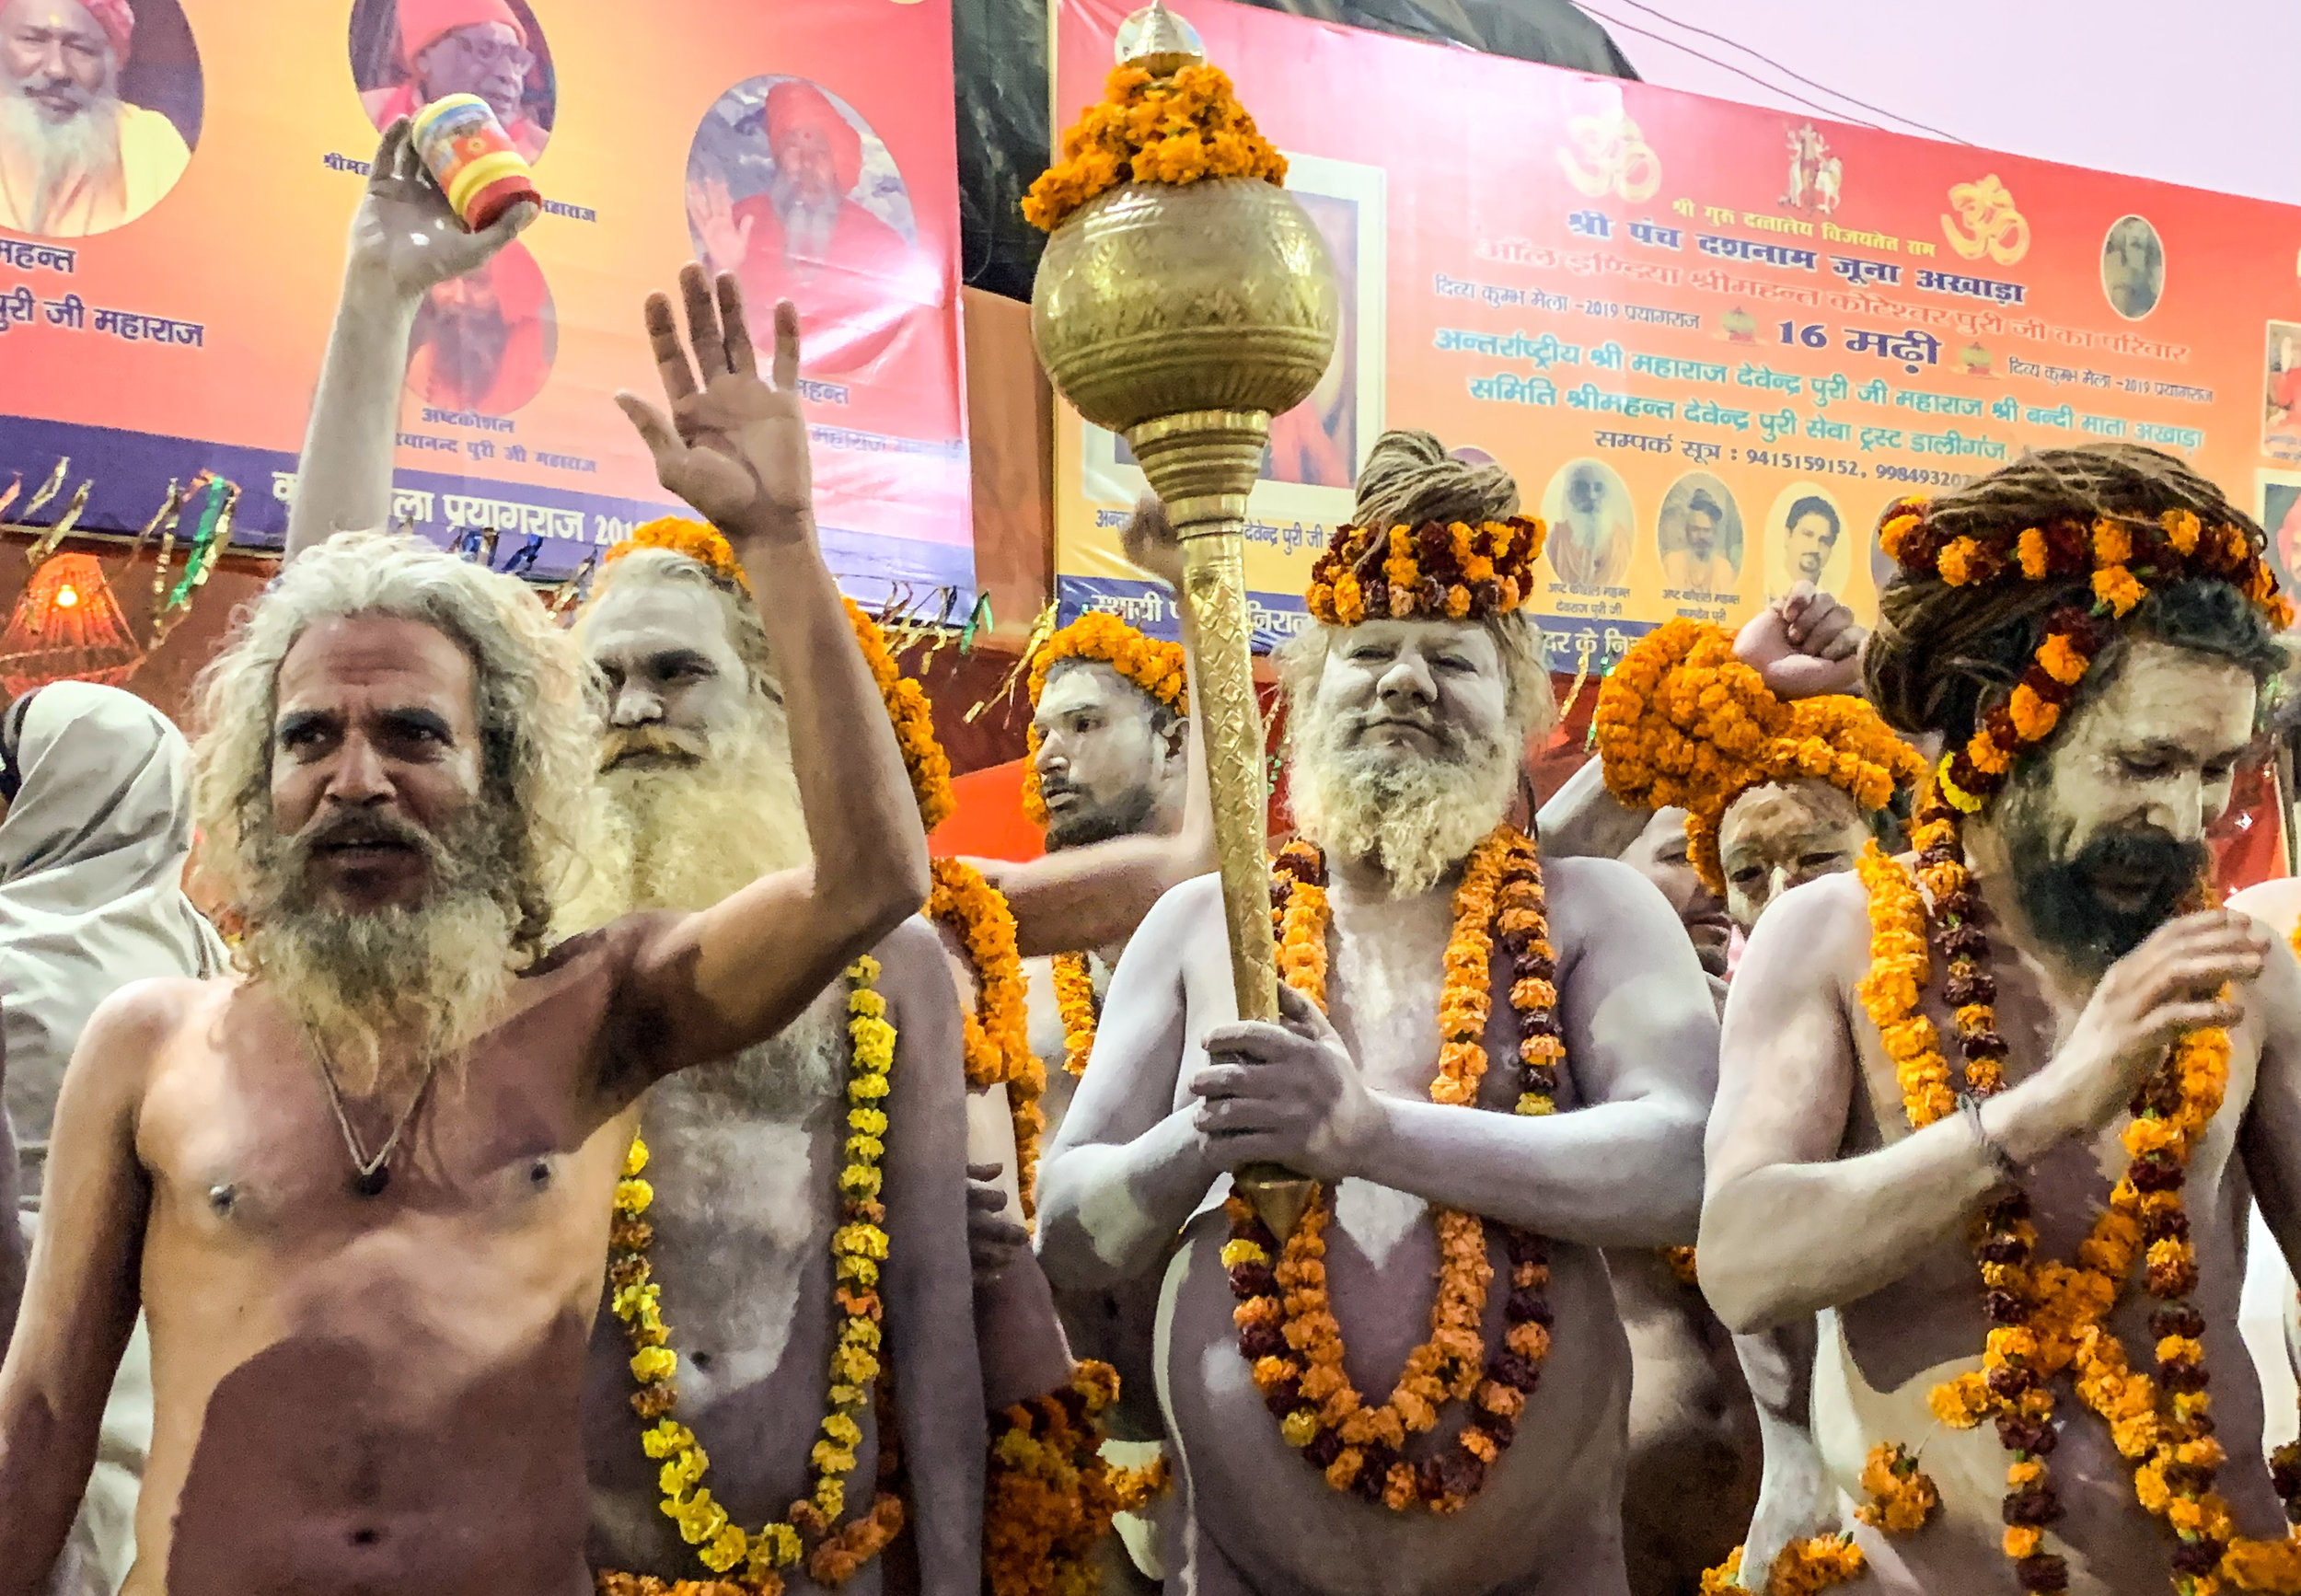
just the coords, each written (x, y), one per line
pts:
(101, 107)
(2279, 511)
(2133, 267)
(407, 53)
(2281, 392)
(1592, 522)
(1805, 541)
(1700, 535)
(485, 343)
(789, 189)
(1316, 448)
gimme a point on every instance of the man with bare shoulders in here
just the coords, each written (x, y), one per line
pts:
(1406, 735)
(362, 1190)
(2095, 668)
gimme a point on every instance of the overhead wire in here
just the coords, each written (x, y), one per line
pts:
(1833, 114)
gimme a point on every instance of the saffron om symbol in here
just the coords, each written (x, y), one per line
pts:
(1991, 225)
(1610, 155)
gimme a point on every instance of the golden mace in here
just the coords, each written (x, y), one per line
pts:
(1183, 317)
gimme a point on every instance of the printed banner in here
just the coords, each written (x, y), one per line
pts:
(1711, 340)
(177, 176)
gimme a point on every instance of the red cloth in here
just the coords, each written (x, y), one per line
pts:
(794, 104)
(118, 19)
(2247, 842)
(423, 21)
(853, 302)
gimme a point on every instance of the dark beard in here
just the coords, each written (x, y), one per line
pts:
(1124, 816)
(2059, 901)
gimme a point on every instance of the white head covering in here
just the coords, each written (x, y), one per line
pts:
(91, 864)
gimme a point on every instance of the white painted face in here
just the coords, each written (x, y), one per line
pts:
(1417, 690)
(1105, 768)
(1774, 837)
(663, 648)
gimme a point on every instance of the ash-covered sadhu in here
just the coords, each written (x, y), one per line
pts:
(1998, 1103)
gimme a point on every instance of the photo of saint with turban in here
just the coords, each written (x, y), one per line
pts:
(407, 53)
(82, 149)
(793, 193)
(485, 341)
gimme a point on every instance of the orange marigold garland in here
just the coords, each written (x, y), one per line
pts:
(697, 540)
(1081, 1008)
(1050, 1497)
(1155, 667)
(1182, 129)
(997, 1033)
(914, 721)
(1450, 570)
(1288, 1332)
(1803, 1566)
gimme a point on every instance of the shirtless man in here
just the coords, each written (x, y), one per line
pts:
(369, 1291)
(1406, 735)
(1820, 1196)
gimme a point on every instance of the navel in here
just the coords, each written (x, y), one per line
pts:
(222, 1198)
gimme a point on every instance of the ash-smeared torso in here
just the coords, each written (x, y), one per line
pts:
(1546, 1519)
(1881, 1355)
(744, 1157)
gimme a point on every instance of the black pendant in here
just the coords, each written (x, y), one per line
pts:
(370, 1183)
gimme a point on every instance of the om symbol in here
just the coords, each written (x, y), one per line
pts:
(1610, 155)
(1992, 226)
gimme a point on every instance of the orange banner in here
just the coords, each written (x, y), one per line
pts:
(1711, 340)
(175, 176)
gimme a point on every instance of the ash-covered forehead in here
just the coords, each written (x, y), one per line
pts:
(650, 589)
(1513, 643)
(1779, 817)
(1076, 684)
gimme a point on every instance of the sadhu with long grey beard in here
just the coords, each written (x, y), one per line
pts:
(363, 1189)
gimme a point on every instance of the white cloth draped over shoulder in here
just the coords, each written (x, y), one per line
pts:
(91, 870)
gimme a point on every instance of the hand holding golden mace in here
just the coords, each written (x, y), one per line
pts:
(1184, 316)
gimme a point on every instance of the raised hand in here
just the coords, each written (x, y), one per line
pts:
(726, 239)
(406, 237)
(2183, 978)
(1288, 1093)
(734, 444)
(994, 1243)
(1804, 645)
(1150, 542)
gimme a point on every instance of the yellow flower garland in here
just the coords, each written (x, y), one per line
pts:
(1147, 130)
(858, 1247)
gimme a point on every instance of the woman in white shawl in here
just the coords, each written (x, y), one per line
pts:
(92, 850)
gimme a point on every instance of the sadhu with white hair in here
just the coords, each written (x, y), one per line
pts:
(75, 157)
(364, 1188)
(1491, 1077)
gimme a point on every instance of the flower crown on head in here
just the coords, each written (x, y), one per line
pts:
(1436, 570)
(1156, 667)
(1682, 723)
(2122, 560)
(699, 542)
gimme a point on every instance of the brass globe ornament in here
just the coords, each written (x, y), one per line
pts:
(1182, 306)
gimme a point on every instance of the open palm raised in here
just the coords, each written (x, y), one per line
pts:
(734, 444)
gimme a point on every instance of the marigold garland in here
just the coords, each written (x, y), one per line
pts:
(1182, 129)
(2051, 1317)
(1803, 1566)
(1436, 570)
(694, 541)
(913, 719)
(810, 1531)
(2120, 560)
(1050, 1497)
(1683, 723)
(998, 1043)
(1155, 667)
(1288, 1332)
(1082, 1010)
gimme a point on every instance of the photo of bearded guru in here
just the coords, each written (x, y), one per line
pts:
(1943, 657)
(1416, 817)
(492, 872)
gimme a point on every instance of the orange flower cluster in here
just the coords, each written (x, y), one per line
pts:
(997, 1034)
(1155, 667)
(2050, 1317)
(1453, 571)
(1681, 722)
(2121, 562)
(1800, 1568)
(1050, 1497)
(1288, 1332)
(914, 721)
(1081, 1010)
(1901, 1498)
(1680, 1263)
(1182, 129)
(695, 540)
